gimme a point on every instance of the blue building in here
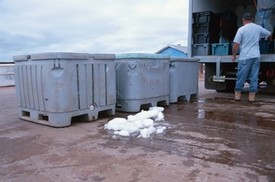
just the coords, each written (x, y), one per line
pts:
(174, 51)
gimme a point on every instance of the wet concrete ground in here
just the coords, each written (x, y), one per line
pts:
(211, 139)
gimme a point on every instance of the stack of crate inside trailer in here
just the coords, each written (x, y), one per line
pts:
(228, 29)
(213, 33)
(205, 31)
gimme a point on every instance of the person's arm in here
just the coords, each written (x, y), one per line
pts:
(234, 51)
(265, 33)
(236, 44)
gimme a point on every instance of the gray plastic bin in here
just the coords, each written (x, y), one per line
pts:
(6, 74)
(141, 79)
(183, 79)
(52, 88)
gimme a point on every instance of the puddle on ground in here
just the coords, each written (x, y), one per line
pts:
(215, 130)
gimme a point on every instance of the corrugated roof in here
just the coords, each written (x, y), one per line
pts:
(177, 47)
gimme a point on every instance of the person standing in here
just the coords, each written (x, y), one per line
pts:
(265, 15)
(247, 41)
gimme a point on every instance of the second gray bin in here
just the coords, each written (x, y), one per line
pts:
(183, 79)
(141, 79)
(52, 88)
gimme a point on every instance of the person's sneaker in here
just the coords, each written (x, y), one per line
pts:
(251, 96)
(238, 95)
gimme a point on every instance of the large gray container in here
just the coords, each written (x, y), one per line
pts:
(183, 79)
(6, 74)
(52, 88)
(141, 79)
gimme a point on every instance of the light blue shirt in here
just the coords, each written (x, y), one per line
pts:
(248, 37)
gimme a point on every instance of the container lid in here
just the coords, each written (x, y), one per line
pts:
(59, 55)
(20, 58)
(6, 62)
(141, 56)
(6, 65)
(178, 59)
(102, 56)
(63, 56)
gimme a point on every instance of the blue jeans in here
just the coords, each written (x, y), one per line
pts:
(248, 69)
(266, 19)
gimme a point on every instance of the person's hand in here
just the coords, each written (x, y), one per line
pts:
(270, 38)
(233, 59)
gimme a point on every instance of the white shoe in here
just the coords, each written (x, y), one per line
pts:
(238, 95)
(251, 96)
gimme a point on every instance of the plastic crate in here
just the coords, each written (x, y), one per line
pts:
(228, 29)
(206, 28)
(205, 17)
(228, 33)
(229, 16)
(202, 38)
(228, 26)
(52, 88)
(221, 49)
(266, 46)
(201, 49)
(183, 79)
(224, 40)
(142, 79)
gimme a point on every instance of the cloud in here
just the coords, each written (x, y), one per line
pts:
(95, 26)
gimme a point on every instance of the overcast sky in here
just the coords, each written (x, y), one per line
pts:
(92, 26)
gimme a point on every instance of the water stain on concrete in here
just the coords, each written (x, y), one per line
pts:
(209, 139)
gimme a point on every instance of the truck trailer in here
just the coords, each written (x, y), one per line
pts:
(212, 27)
